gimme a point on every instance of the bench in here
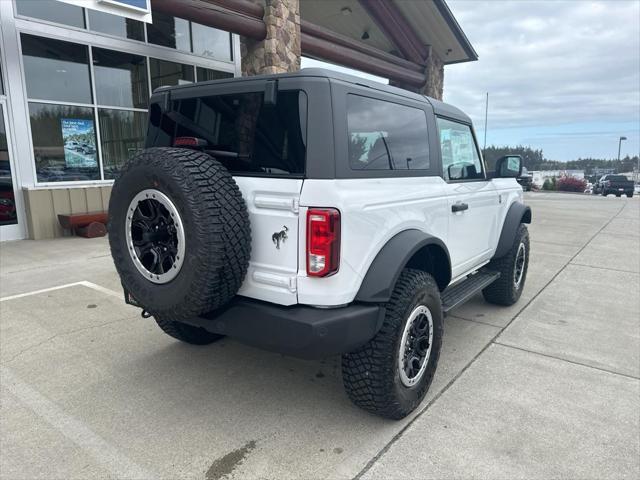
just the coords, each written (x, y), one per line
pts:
(88, 225)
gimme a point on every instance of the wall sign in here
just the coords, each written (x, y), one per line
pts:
(79, 139)
(135, 9)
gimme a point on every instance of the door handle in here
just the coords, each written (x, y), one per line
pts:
(459, 207)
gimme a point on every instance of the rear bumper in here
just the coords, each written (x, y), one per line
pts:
(299, 331)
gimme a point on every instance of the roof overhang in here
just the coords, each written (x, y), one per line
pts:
(394, 39)
(401, 28)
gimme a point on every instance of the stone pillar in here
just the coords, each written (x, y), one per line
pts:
(434, 71)
(280, 51)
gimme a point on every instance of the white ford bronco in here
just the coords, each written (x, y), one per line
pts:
(315, 214)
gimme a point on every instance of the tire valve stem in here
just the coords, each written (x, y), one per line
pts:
(145, 314)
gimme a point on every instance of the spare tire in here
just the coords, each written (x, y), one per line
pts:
(179, 232)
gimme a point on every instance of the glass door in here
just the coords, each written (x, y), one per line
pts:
(10, 229)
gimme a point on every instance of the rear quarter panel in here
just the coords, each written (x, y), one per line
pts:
(372, 211)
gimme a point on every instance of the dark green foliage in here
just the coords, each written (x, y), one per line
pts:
(535, 160)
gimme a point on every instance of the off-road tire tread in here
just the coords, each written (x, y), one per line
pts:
(222, 230)
(368, 373)
(501, 291)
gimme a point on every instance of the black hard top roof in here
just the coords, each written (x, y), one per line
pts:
(440, 108)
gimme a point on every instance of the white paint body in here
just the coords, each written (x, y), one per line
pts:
(372, 211)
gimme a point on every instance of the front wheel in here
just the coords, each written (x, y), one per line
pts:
(506, 290)
(390, 375)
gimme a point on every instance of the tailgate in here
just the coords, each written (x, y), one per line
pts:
(273, 212)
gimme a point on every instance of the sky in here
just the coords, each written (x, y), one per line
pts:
(562, 76)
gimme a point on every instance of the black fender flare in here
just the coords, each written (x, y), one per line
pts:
(386, 267)
(518, 213)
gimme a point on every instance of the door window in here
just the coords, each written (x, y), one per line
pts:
(460, 158)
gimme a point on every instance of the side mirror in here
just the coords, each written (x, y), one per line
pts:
(509, 166)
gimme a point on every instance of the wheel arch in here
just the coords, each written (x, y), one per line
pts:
(409, 248)
(517, 214)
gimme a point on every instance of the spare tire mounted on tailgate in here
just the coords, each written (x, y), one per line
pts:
(179, 232)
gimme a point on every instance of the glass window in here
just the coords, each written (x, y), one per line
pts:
(121, 79)
(386, 136)
(204, 74)
(460, 159)
(56, 70)
(211, 42)
(8, 214)
(64, 142)
(169, 31)
(52, 11)
(243, 134)
(116, 25)
(122, 136)
(165, 73)
(1, 83)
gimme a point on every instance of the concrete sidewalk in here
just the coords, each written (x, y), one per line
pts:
(547, 388)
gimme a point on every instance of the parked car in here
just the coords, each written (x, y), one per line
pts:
(615, 184)
(525, 180)
(8, 213)
(322, 215)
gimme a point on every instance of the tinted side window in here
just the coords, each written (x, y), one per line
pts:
(460, 159)
(386, 136)
(242, 133)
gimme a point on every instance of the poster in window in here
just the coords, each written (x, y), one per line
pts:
(79, 140)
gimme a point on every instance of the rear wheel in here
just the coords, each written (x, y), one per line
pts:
(187, 333)
(630, 195)
(390, 375)
(507, 289)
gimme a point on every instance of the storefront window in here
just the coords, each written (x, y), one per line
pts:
(121, 79)
(204, 74)
(211, 42)
(64, 142)
(56, 70)
(52, 11)
(122, 136)
(165, 73)
(169, 31)
(116, 25)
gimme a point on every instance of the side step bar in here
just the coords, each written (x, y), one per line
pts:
(462, 291)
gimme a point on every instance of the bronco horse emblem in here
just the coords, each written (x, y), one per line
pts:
(280, 236)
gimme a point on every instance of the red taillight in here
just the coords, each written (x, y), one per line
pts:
(189, 142)
(323, 241)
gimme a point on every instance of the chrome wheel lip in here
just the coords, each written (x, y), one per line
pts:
(418, 311)
(165, 201)
(518, 270)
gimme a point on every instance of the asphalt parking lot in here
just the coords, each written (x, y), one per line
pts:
(548, 388)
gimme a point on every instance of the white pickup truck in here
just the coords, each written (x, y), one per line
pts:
(315, 214)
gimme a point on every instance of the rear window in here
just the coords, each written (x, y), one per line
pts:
(617, 178)
(244, 134)
(386, 136)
